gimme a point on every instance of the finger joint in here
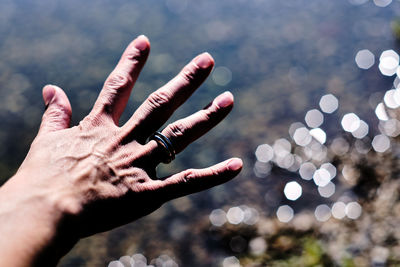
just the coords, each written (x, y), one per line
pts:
(188, 74)
(188, 175)
(176, 129)
(158, 99)
(117, 81)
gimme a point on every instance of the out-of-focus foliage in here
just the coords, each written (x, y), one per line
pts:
(396, 28)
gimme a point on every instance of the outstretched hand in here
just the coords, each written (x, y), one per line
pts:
(99, 175)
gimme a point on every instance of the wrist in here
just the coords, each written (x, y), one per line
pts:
(31, 226)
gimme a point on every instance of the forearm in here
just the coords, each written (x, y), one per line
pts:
(29, 227)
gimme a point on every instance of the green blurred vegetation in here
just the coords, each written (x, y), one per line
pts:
(294, 249)
(396, 28)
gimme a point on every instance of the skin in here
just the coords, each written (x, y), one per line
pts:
(79, 181)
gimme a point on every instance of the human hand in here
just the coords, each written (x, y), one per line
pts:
(99, 175)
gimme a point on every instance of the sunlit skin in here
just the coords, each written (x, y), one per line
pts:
(82, 180)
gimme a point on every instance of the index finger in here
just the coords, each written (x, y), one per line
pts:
(118, 86)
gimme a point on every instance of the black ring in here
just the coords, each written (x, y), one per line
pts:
(165, 143)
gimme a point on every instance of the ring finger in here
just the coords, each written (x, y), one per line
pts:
(183, 132)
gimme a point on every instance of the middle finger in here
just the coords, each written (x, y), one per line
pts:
(159, 106)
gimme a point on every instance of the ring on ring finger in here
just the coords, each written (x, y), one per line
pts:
(165, 143)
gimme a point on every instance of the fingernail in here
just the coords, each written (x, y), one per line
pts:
(142, 43)
(204, 60)
(235, 164)
(48, 94)
(224, 100)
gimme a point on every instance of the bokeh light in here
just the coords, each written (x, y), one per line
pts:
(322, 177)
(261, 169)
(307, 170)
(251, 215)
(319, 135)
(365, 59)
(382, 3)
(314, 118)
(127, 261)
(235, 215)
(327, 190)
(361, 131)
(222, 76)
(282, 147)
(285, 213)
(388, 61)
(264, 153)
(390, 127)
(381, 143)
(350, 122)
(330, 168)
(285, 161)
(353, 210)
(231, 262)
(338, 210)
(302, 136)
(329, 103)
(380, 112)
(218, 217)
(294, 126)
(257, 246)
(116, 264)
(322, 213)
(162, 261)
(390, 99)
(292, 190)
(139, 260)
(350, 174)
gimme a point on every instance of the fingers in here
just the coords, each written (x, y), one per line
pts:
(159, 106)
(195, 180)
(118, 86)
(58, 110)
(183, 132)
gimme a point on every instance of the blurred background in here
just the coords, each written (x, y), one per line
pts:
(315, 121)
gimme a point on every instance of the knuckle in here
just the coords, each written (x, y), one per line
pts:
(158, 98)
(117, 81)
(133, 55)
(176, 129)
(207, 114)
(188, 175)
(214, 172)
(97, 120)
(188, 74)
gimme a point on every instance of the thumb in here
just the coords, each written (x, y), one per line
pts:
(58, 110)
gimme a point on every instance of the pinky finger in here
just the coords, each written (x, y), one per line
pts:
(194, 180)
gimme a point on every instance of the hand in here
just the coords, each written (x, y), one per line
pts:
(99, 175)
